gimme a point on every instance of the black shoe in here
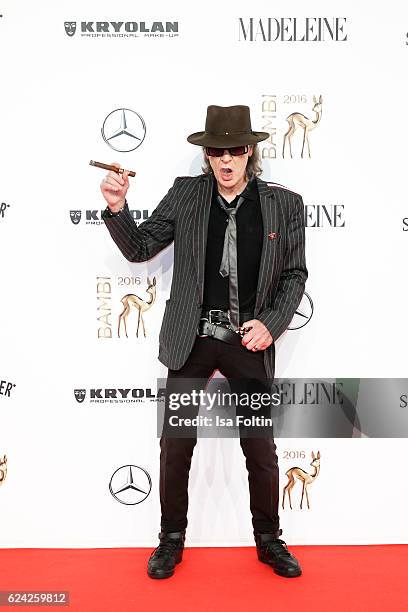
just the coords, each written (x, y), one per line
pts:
(169, 552)
(274, 552)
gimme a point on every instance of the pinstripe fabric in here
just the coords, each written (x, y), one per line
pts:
(183, 216)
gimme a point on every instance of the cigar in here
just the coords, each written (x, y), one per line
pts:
(110, 167)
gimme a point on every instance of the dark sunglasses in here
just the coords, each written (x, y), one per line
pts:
(218, 152)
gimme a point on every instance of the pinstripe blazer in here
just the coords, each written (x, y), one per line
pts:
(182, 216)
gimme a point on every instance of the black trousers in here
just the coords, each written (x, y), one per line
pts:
(235, 363)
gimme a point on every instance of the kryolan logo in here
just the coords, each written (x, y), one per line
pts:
(130, 27)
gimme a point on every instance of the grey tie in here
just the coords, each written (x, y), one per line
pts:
(228, 265)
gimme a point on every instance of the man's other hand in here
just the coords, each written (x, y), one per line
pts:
(258, 336)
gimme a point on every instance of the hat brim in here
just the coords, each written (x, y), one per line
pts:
(204, 139)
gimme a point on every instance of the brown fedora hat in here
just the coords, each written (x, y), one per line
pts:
(227, 126)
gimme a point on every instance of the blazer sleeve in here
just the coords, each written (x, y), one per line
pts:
(293, 277)
(142, 242)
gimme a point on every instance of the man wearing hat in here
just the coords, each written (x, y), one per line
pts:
(238, 277)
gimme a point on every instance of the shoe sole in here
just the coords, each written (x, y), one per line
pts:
(299, 573)
(160, 575)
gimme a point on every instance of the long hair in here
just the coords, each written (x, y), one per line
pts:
(252, 169)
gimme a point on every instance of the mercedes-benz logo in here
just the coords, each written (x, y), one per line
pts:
(123, 130)
(130, 484)
(303, 313)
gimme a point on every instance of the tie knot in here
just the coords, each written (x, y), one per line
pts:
(230, 210)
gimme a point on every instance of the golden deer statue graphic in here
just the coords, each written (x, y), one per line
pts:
(298, 120)
(130, 300)
(3, 469)
(304, 477)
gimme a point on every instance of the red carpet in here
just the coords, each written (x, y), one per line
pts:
(343, 578)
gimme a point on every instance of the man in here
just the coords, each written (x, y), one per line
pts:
(238, 276)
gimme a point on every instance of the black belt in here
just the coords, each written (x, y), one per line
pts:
(216, 323)
(216, 315)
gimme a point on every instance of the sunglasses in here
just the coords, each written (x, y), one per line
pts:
(218, 152)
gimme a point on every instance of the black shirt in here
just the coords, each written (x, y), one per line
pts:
(249, 246)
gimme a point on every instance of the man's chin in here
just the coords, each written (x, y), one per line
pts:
(227, 181)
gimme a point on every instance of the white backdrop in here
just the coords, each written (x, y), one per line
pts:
(56, 91)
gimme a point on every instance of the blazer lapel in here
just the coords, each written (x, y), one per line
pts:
(201, 217)
(270, 223)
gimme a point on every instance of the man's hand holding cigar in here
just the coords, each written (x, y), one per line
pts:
(114, 188)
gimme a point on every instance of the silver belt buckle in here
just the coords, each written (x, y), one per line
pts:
(211, 321)
(218, 310)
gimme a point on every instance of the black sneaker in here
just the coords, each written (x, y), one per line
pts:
(274, 552)
(163, 559)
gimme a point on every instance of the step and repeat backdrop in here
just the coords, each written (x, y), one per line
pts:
(79, 452)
